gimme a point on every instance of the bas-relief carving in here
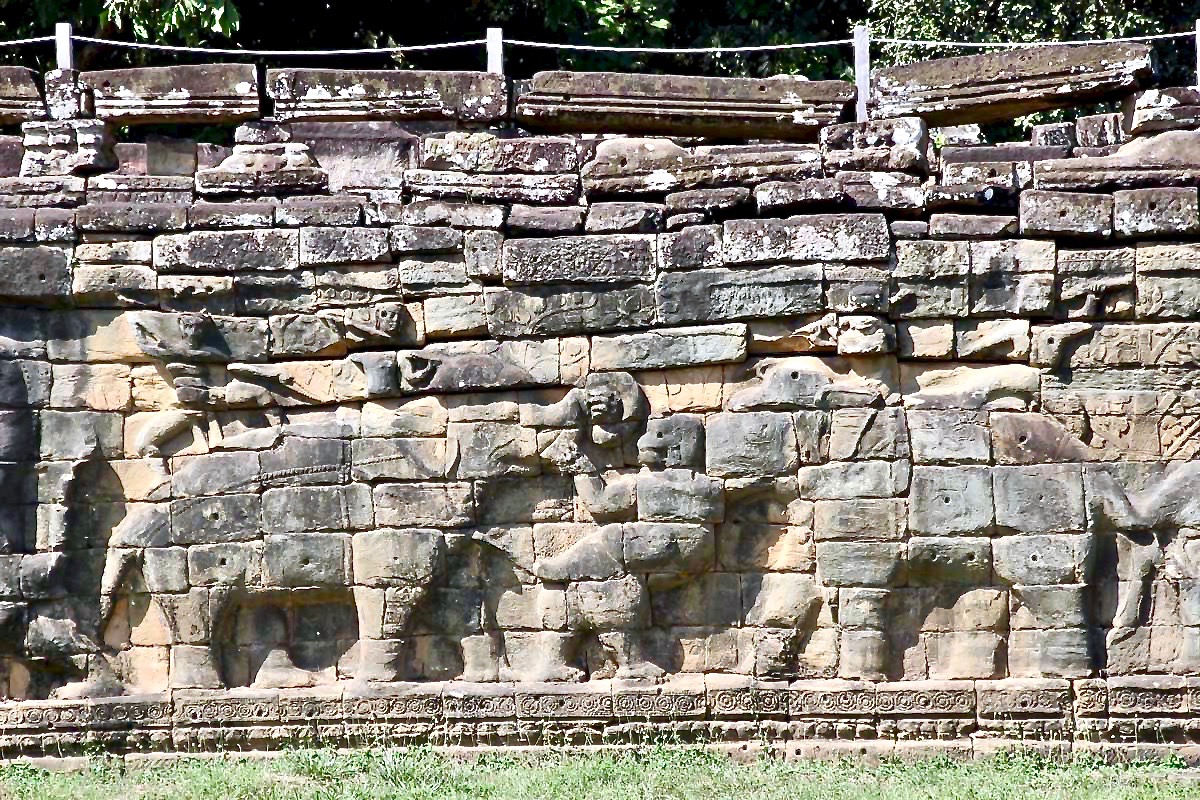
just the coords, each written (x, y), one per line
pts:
(624, 468)
(889, 483)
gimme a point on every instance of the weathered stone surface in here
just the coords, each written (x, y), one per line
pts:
(533, 221)
(617, 258)
(624, 218)
(67, 147)
(357, 154)
(781, 107)
(894, 144)
(336, 94)
(670, 347)
(20, 100)
(783, 197)
(1002, 85)
(205, 251)
(1170, 158)
(658, 166)
(1172, 108)
(503, 188)
(752, 443)
(895, 191)
(35, 274)
(264, 160)
(971, 226)
(1150, 213)
(817, 237)
(1066, 214)
(371, 459)
(717, 295)
(549, 311)
(192, 93)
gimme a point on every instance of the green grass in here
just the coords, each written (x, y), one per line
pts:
(654, 773)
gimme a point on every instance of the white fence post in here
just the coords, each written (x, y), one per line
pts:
(495, 50)
(862, 70)
(1198, 52)
(63, 51)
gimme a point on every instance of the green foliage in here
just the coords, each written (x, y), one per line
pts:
(189, 21)
(659, 772)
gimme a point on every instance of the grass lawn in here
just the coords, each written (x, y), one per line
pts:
(653, 773)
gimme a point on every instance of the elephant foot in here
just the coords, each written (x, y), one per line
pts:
(553, 673)
(100, 682)
(88, 690)
(641, 671)
(278, 672)
(1119, 634)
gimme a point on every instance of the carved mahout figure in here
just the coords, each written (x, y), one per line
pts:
(605, 572)
(601, 419)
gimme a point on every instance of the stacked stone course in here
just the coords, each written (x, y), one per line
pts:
(399, 421)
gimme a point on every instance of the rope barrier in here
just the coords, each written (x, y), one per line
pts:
(33, 40)
(592, 48)
(237, 52)
(986, 45)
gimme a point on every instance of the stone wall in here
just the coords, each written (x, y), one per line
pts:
(427, 413)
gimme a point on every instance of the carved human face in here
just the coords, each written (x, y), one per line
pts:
(604, 403)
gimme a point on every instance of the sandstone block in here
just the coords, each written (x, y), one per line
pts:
(428, 505)
(493, 188)
(618, 258)
(1169, 108)
(718, 295)
(845, 480)
(343, 245)
(389, 557)
(20, 100)
(951, 500)
(1001, 85)
(214, 251)
(306, 559)
(486, 152)
(670, 347)
(859, 563)
(189, 93)
(750, 443)
(337, 94)
(549, 311)
(1148, 213)
(659, 167)
(817, 237)
(1066, 214)
(780, 107)
(316, 508)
